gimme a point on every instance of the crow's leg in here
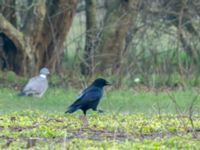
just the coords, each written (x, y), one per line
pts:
(98, 110)
(84, 119)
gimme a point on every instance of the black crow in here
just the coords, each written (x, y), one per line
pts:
(89, 98)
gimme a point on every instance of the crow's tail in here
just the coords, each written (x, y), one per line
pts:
(71, 109)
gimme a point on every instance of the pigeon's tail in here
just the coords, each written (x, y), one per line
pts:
(71, 109)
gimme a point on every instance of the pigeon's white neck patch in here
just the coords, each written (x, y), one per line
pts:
(43, 76)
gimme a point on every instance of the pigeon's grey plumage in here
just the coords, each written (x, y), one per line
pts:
(37, 85)
(89, 98)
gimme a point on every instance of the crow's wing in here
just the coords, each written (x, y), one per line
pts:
(92, 95)
(87, 89)
(36, 86)
(89, 95)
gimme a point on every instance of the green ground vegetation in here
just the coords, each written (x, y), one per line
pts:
(36, 130)
(133, 119)
(127, 100)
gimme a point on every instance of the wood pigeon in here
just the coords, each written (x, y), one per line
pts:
(37, 85)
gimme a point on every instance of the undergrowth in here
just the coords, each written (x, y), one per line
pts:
(36, 130)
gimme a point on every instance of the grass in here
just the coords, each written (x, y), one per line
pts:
(126, 101)
(132, 120)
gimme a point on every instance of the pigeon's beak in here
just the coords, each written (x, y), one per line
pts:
(48, 72)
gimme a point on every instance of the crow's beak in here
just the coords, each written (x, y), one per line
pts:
(108, 83)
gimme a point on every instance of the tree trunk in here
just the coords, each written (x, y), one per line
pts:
(87, 64)
(40, 42)
(109, 52)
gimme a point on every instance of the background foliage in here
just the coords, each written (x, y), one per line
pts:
(159, 43)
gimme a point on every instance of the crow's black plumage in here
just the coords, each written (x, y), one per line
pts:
(89, 98)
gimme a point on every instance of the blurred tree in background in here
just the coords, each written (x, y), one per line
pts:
(90, 37)
(154, 40)
(33, 32)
